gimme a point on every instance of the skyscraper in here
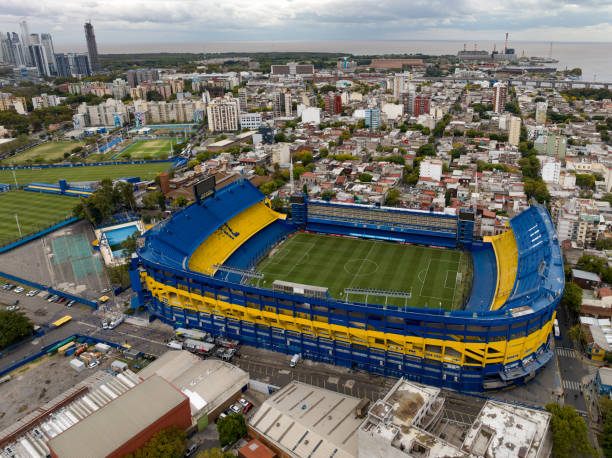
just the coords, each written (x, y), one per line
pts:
(25, 43)
(47, 44)
(92, 48)
(500, 95)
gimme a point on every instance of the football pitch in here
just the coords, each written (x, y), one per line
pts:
(46, 152)
(35, 211)
(89, 173)
(153, 149)
(434, 277)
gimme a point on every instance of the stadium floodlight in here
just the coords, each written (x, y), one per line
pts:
(378, 292)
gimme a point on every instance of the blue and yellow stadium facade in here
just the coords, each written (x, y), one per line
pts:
(501, 337)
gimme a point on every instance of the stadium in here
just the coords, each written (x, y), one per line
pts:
(391, 291)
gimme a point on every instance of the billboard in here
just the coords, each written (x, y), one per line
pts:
(204, 187)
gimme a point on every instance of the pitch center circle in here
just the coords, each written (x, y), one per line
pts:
(360, 267)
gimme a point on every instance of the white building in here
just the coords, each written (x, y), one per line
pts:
(45, 101)
(311, 115)
(431, 168)
(250, 120)
(551, 171)
(392, 110)
(514, 131)
(223, 114)
(540, 114)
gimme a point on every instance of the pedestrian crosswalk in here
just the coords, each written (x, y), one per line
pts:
(567, 352)
(571, 385)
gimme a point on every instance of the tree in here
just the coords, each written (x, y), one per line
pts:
(572, 297)
(126, 191)
(14, 327)
(119, 275)
(426, 150)
(169, 443)
(215, 453)
(129, 244)
(365, 177)
(154, 96)
(231, 428)
(577, 334)
(393, 198)
(153, 199)
(180, 201)
(569, 433)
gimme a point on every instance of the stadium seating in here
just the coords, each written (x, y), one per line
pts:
(483, 289)
(229, 236)
(506, 255)
(173, 240)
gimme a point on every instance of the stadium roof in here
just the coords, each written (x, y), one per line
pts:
(104, 431)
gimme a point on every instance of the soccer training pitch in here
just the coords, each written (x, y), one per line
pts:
(46, 152)
(35, 211)
(150, 149)
(89, 173)
(435, 278)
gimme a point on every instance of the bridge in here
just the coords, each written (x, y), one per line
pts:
(527, 82)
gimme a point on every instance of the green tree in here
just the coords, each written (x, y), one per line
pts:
(154, 96)
(365, 177)
(231, 428)
(119, 275)
(426, 150)
(129, 244)
(577, 334)
(393, 198)
(14, 327)
(152, 200)
(584, 180)
(180, 201)
(215, 453)
(169, 443)
(569, 433)
(572, 297)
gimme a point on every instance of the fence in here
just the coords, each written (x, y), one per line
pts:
(43, 287)
(36, 235)
(92, 164)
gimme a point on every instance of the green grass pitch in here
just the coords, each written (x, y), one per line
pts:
(156, 149)
(47, 152)
(89, 173)
(436, 278)
(36, 211)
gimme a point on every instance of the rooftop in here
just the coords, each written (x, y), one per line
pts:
(308, 421)
(105, 430)
(205, 382)
(584, 275)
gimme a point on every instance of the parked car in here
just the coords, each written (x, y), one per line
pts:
(221, 415)
(12, 308)
(236, 408)
(246, 405)
(53, 298)
(61, 300)
(48, 296)
(191, 449)
(32, 292)
(10, 287)
(71, 303)
(19, 289)
(5, 285)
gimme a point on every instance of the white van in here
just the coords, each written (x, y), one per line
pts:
(295, 359)
(175, 345)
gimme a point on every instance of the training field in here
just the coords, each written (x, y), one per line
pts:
(46, 152)
(89, 173)
(434, 277)
(155, 149)
(36, 211)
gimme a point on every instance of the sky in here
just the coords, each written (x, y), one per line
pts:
(171, 21)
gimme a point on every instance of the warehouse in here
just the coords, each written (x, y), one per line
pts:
(211, 385)
(126, 423)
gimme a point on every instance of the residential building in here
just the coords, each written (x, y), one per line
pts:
(223, 114)
(333, 103)
(47, 43)
(431, 168)
(311, 115)
(45, 101)
(551, 145)
(551, 171)
(500, 94)
(421, 105)
(372, 118)
(92, 47)
(10, 102)
(250, 120)
(540, 114)
(514, 131)
(243, 98)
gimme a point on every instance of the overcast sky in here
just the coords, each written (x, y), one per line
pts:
(168, 21)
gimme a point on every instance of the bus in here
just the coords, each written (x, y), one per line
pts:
(61, 321)
(194, 334)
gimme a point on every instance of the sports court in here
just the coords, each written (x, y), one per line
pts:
(150, 149)
(75, 249)
(434, 277)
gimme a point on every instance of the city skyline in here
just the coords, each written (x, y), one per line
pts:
(190, 21)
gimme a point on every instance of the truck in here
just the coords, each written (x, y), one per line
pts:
(196, 346)
(227, 343)
(295, 359)
(175, 345)
(194, 334)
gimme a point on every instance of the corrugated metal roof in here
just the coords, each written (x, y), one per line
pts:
(117, 422)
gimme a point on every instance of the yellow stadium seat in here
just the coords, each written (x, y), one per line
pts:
(224, 241)
(506, 253)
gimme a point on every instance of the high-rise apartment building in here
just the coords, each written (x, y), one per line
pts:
(421, 105)
(540, 114)
(500, 94)
(92, 48)
(372, 118)
(333, 103)
(72, 64)
(243, 98)
(514, 131)
(47, 43)
(223, 114)
(25, 43)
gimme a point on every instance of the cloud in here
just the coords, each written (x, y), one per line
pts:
(141, 21)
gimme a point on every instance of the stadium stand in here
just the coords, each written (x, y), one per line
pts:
(474, 349)
(229, 236)
(506, 255)
(59, 189)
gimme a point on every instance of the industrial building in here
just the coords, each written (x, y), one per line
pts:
(125, 424)
(211, 385)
